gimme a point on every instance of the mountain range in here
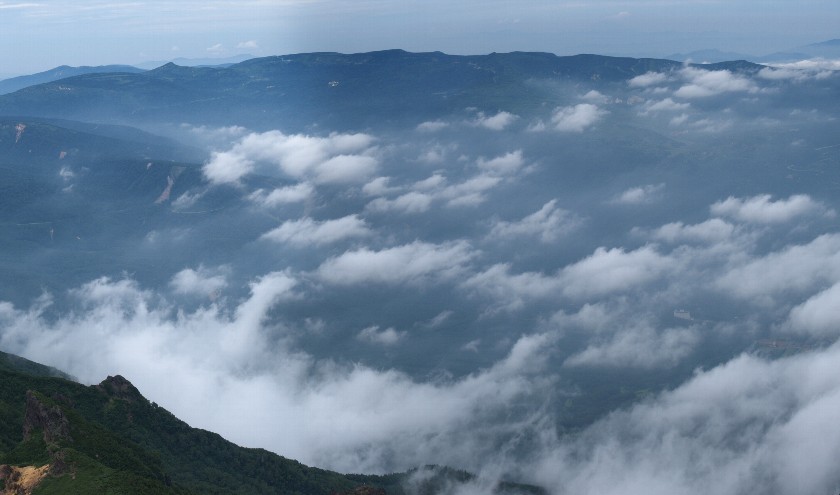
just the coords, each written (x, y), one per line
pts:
(15, 83)
(336, 90)
(111, 217)
(829, 49)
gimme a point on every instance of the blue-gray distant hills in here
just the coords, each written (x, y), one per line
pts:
(333, 89)
(829, 49)
(15, 83)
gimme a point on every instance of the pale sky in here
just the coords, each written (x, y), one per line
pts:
(39, 35)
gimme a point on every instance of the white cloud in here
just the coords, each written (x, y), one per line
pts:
(819, 315)
(538, 126)
(199, 364)
(430, 183)
(782, 74)
(549, 223)
(711, 231)
(248, 45)
(436, 154)
(440, 319)
(679, 119)
(638, 346)
(411, 202)
(792, 270)
(413, 263)
(346, 168)
(512, 291)
(748, 425)
(379, 187)
(471, 192)
(503, 165)
(704, 83)
(496, 122)
(432, 126)
(613, 270)
(227, 166)
(603, 273)
(576, 118)
(639, 195)
(648, 79)
(306, 231)
(337, 158)
(762, 209)
(590, 318)
(297, 193)
(666, 105)
(595, 96)
(387, 337)
(202, 281)
(472, 346)
(815, 63)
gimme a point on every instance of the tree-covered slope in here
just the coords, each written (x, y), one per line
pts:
(110, 439)
(62, 72)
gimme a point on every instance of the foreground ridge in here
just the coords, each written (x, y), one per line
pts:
(58, 436)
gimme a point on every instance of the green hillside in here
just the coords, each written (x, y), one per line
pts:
(109, 439)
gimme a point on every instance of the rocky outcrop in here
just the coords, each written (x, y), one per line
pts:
(120, 388)
(21, 480)
(41, 416)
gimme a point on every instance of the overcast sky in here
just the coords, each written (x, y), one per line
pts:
(41, 34)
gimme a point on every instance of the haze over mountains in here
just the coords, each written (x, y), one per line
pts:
(828, 50)
(526, 266)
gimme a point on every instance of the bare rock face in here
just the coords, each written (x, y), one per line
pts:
(21, 480)
(120, 388)
(51, 420)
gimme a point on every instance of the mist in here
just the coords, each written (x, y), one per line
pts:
(632, 286)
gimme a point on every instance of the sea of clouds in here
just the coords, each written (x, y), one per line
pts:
(422, 296)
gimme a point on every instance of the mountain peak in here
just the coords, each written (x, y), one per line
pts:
(168, 66)
(119, 387)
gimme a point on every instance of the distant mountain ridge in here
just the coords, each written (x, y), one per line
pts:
(15, 83)
(198, 62)
(822, 49)
(333, 89)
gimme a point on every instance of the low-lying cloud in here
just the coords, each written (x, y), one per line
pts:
(762, 208)
(336, 158)
(306, 231)
(576, 118)
(407, 264)
(700, 83)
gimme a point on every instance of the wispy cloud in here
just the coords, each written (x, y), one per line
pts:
(639, 195)
(548, 224)
(762, 208)
(415, 263)
(305, 231)
(248, 45)
(495, 122)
